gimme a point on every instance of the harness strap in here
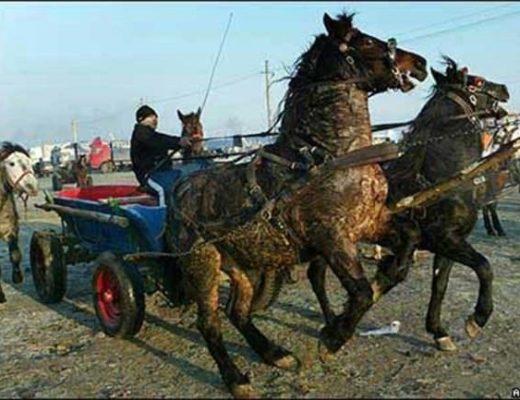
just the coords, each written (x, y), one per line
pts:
(468, 110)
(292, 165)
(19, 179)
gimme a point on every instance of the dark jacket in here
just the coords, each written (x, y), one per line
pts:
(149, 147)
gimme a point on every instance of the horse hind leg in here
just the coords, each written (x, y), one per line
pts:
(239, 313)
(2, 295)
(487, 221)
(496, 221)
(316, 273)
(16, 257)
(202, 268)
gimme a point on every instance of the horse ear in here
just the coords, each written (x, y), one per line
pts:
(179, 114)
(329, 24)
(439, 77)
(199, 111)
(336, 29)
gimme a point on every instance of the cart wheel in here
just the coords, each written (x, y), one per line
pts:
(107, 167)
(56, 183)
(48, 267)
(118, 296)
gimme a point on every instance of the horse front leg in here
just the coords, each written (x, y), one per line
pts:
(341, 255)
(441, 274)
(16, 257)
(404, 238)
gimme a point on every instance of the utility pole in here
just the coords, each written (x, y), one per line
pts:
(141, 101)
(267, 93)
(75, 138)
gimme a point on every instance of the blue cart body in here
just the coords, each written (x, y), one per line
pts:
(147, 223)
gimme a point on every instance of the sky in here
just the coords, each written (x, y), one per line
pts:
(94, 62)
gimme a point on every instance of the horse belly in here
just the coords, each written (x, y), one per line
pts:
(258, 244)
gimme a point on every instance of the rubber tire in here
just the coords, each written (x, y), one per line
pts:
(132, 302)
(56, 183)
(46, 247)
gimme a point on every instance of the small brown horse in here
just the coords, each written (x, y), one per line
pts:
(269, 214)
(16, 177)
(80, 172)
(192, 128)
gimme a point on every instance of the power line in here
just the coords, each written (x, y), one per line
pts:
(249, 76)
(459, 27)
(458, 18)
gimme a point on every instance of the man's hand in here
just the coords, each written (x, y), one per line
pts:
(185, 142)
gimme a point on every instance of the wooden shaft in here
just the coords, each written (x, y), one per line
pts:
(431, 195)
(92, 215)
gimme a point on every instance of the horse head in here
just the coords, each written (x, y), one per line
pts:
(16, 166)
(378, 65)
(483, 94)
(192, 128)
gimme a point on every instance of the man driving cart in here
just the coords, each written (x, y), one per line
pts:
(149, 150)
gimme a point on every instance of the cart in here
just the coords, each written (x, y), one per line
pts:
(105, 224)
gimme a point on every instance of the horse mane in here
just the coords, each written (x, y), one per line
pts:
(7, 148)
(304, 67)
(425, 126)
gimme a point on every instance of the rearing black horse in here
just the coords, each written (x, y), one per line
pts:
(445, 138)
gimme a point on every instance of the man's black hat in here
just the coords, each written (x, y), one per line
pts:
(143, 112)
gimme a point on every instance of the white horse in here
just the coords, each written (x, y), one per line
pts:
(16, 178)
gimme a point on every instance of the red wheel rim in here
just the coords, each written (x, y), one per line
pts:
(108, 298)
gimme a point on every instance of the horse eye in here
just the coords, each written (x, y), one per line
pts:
(12, 164)
(369, 42)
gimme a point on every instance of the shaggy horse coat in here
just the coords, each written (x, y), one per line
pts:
(219, 218)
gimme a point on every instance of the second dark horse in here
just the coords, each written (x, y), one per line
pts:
(445, 138)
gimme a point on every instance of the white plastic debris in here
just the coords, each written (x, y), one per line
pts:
(391, 329)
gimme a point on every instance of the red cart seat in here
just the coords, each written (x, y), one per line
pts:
(124, 194)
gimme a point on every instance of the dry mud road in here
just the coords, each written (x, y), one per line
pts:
(60, 351)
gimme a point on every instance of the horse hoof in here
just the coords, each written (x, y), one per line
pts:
(17, 277)
(445, 344)
(324, 354)
(472, 328)
(244, 391)
(288, 362)
(328, 344)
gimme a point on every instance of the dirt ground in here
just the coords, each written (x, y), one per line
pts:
(60, 351)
